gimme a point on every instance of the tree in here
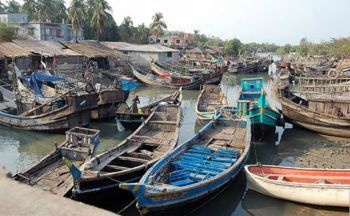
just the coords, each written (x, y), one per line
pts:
(232, 47)
(12, 6)
(3, 7)
(158, 25)
(30, 7)
(304, 47)
(100, 17)
(7, 33)
(126, 29)
(142, 33)
(76, 16)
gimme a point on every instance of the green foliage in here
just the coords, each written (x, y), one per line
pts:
(158, 24)
(232, 47)
(100, 17)
(7, 33)
(76, 15)
(12, 6)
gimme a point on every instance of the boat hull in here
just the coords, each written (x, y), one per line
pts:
(324, 195)
(300, 116)
(163, 202)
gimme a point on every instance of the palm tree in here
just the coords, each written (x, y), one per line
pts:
(158, 25)
(100, 17)
(13, 6)
(2, 7)
(76, 16)
(31, 7)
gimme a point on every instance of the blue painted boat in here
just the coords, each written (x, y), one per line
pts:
(253, 103)
(195, 169)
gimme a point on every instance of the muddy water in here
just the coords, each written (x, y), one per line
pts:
(296, 146)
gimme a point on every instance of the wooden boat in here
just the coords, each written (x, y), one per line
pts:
(325, 187)
(253, 103)
(51, 174)
(107, 103)
(195, 169)
(131, 121)
(58, 114)
(128, 161)
(209, 101)
(173, 82)
(327, 114)
(209, 76)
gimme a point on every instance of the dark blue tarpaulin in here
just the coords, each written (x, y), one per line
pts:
(36, 80)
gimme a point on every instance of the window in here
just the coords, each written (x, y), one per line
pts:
(177, 41)
(58, 32)
(169, 54)
(158, 40)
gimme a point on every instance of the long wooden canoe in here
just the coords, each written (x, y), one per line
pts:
(195, 169)
(174, 82)
(131, 121)
(209, 101)
(326, 187)
(128, 161)
(211, 76)
(323, 113)
(51, 174)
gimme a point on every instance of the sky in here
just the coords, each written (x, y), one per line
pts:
(273, 21)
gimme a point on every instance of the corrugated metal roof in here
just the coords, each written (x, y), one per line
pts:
(123, 46)
(11, 50)
(93, 49)
(46, 48)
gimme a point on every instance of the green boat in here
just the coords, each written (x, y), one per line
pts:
(254, 104)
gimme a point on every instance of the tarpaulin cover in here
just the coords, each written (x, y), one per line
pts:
(35, 82)
(128, 85)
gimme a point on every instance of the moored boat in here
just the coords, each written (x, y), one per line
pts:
(66, 111)
(322, 113)
(128, 161)
(195, 169)
(208, 75)
(210, 100)
(131, 121)
(325, 187)
(51, 174)
(253, 103)
(174, 82)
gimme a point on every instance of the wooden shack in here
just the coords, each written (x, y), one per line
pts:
(105, 57)
(12, 52)
(54, 54)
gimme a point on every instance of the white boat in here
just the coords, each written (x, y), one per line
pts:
(325, 187)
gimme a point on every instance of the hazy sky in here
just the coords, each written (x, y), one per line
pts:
(277, 21)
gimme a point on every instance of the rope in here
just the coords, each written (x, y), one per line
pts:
(128, 206)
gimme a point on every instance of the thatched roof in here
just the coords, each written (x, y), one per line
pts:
(45, 48)
(11, 50)
(123, 46)
(93, 49)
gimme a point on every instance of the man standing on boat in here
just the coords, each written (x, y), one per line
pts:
(135, 101)
(272, 69)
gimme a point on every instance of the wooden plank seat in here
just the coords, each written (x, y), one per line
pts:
(164, 122)
(115, 167)
(133, 159)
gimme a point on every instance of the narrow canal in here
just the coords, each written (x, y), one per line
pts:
(296, 146)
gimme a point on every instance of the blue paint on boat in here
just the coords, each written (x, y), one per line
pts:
(194, 171)
(254, 104)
